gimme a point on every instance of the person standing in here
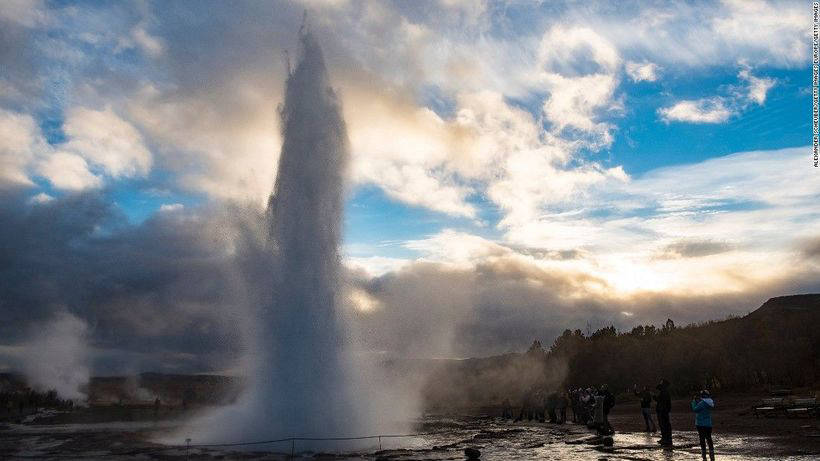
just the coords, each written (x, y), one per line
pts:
(646, 407)
(662, 408)
(702, 406)
(526, 406)
(506, 409)
(598, 413)
(561, 407)
(609, 402)
(550, 404)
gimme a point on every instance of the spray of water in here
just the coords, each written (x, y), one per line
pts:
(57, 357)
(302, 379)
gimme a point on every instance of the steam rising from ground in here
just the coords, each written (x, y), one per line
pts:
(303, 379)
(57, 357)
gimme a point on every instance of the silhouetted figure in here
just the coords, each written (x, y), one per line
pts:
(646, 407)
(608, 403)
(662, 408)
(561, 408)
(551, 404)
(587, 407)
(598, 413)
(526, 406)
(539, 406)
(702, 406)
(156, 406)
(506, 409)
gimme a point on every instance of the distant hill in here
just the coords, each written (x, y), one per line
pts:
(808, 304)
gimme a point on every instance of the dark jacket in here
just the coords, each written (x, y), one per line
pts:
(646, 398)
(663, 398)
(609, 400)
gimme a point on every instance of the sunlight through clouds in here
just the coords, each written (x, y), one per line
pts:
(512, 164)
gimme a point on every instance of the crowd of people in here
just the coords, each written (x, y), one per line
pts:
(588, 406)
(591, 406)
(540, 406)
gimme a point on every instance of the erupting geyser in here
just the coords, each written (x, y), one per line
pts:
(300, 382)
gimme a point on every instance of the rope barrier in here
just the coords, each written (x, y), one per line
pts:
(307, 439)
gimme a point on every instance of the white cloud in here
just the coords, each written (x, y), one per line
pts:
(733, 223)
(170, 207)
(704, 34)
(149, 44)
(456, 247)
(706, 110)
(718, 109)
(580, 73)
(105, 139)
(99, 143)
(769, 31)
(758, 87)
(42, 197)
(29, 13)
(404, 150)
(21, 143)
(642, 71)
(756, 204)
(65, 170)
(227, 132)
(375, 266)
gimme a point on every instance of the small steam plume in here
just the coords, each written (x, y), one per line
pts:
(57, 357)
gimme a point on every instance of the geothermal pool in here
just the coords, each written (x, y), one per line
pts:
(496, 439)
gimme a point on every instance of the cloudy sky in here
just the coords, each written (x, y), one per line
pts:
(517, 167)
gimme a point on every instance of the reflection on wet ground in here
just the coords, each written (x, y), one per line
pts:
(495, 438)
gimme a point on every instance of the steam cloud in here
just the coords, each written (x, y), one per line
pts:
(57, 357)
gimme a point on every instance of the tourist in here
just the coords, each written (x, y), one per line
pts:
(702, 406)
(574, 402)
(506, 409)
(646, 407)
(526, 406)
(561, 407)
(662, 408)
(540, 405)
(598, 414)
(588, 406)
(609, 402)
(549, 407)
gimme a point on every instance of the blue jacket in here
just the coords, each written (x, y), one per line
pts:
(703, 412)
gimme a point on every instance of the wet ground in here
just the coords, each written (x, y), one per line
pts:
(496, 439)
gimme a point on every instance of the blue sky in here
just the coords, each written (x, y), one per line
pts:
(610, 154)
(642, 142)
